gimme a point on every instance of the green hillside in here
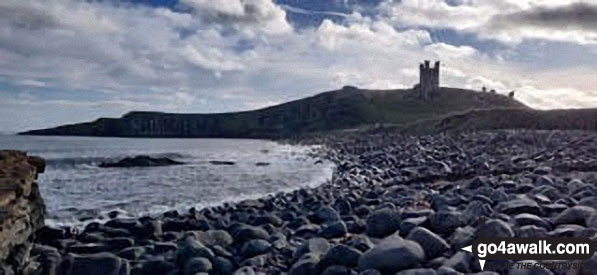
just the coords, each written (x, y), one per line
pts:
(345, 108)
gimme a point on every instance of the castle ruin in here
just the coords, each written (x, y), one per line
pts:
(428, 80)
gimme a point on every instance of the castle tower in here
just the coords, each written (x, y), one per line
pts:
(428, 79)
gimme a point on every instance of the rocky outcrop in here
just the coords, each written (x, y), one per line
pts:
(21, 209)
(140, 161)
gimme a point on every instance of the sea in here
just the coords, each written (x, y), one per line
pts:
(76, 191)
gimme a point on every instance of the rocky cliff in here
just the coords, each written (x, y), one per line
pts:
(345, 108)
(21, 209)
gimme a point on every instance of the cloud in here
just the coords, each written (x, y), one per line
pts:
(507, 21)
(573, 22)
(82, 60)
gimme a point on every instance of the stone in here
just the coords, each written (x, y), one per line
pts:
(95, 264)
(215, 237)
(340, 255)
(305, 266)
(445, 222)
(336, 270)
(333, 230)
(495, 228)
(433, 245)
(325, 214)
(408, 224)
(132, 253)
(574, 215)
(246, 232)
(315, 246)
(223, 266)
(417, 271)
(382, 222)
(531, 231)
(462, 237)
(530, 219)
(197, 265)
(192, 249)
(254, 247)
(384, 257)
(463, 262)
(158, 266)
(140, 161)
(476, 209)
(518, 206)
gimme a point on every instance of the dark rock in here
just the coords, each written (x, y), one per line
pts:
(324, 214)
(246, 232)
(132, 253)
(462, 237)
(417, 271)
(529, 231)
(340, 255)
(433, 245)
(333, 230)
(383, 222)
(408, 224)
(337, 270)
(445, 222)
(518, 206)
(384, 257)
(314, 246)
(530, 219)
(307, 265)
(192, 249)
(495, 228)
(574, 215)
(222, 162)
(223, 266)
(140, 161)
(157, 266)
(197, 265)
(463, 262)
(215, 237)
(94, 264)
(254, 247)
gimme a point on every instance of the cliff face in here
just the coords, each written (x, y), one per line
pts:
(341, 109)
(21, 209)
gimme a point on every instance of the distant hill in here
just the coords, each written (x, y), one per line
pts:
(348, 107)
(507, 118)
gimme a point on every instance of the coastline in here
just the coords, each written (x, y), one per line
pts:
(391, 197)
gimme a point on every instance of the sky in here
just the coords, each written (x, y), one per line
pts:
(67, 61)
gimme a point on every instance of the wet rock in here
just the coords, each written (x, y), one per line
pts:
(445, 222)
(157, 266)
(433, 245)
(314, 246)
(462, 237)
(530, 219)
(340, 255)
(192, 249)
(94, 264)
(140, 161)
(518, 206)
(246, 232)
(223, 266)
(333, 230)
(325, 214)
(307, 265)
(417, 271)
(197, 265)
(383, 222)
(254, 247)
(574, 215)
(337, 270)
(495, 228)
(383, 257)
(132, 253)
(533, 231)
(215, 237)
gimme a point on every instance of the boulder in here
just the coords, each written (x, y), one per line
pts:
(433, 245)
(392, 255)
(94, 264)
(140, 161)
(197, 265)
(383, 222)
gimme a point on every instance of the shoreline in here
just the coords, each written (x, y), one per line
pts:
(420, 196)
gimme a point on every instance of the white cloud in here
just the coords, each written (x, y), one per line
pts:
(237, 55)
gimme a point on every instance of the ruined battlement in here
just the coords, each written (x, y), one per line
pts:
(428, 79)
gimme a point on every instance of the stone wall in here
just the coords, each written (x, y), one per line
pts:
(21, 209)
